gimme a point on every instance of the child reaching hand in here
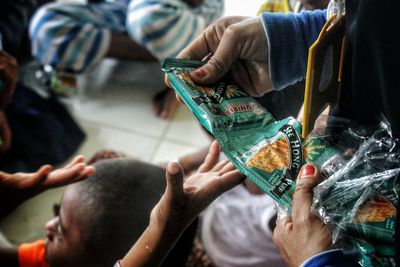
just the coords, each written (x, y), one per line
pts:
(182, 201)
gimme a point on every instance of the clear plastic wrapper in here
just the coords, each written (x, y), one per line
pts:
(360, 165)
(359, 195)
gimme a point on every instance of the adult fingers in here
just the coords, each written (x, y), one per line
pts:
(196, 50)
(208, 43)
(211, 158)
(209, 40)
(283, 227)
(201, 46)
(221, 61)
(283, 224)
(308, 178)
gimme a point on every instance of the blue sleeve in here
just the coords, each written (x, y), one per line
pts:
(331, 258)
(289, 37)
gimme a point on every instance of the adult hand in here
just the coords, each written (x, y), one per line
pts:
(304, 235)
(183, 199)
(18, 187)
(5, 134)
(8, 75)
(238, 44)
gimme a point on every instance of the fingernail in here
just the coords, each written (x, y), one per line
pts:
(173, 168)
(200, 73)
(91, 170)
(307, 170)
(82, 166)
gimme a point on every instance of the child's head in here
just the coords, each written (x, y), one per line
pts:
(101, 217)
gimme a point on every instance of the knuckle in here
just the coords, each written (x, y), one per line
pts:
(216, 63)
(232, 32)
(277, 236)
(301, 189)
(304, 221)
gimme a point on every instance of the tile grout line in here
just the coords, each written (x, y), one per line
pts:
(161, 139)
(92, 123)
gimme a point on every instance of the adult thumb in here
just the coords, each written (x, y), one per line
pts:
(307, 179)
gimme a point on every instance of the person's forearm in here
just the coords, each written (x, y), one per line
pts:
(289, 38)
(153, 246)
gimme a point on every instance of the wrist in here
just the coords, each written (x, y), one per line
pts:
(168, 224)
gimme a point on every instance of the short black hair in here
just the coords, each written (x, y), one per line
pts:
(118, 198)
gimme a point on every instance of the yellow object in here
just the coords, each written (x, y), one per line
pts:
(324, 68)
(282, 6)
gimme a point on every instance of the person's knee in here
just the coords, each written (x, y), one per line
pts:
(49, 17)
(49, 22)
(145, 19)
(159, 27)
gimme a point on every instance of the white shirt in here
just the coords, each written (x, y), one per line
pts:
(236, 233)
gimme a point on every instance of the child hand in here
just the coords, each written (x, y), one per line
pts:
(18, 187)
(183, 199)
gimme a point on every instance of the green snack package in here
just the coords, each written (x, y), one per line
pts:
(375, 255)
(268, 152)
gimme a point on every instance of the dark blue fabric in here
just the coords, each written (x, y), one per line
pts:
(289, 37)
(333, 258)
(14, 21)
(43, 132)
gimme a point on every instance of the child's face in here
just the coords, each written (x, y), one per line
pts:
(64, 245)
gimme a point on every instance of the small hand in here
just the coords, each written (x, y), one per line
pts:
(8, 75)
(183, 199)
(304, 235)
(238, 44)
(18, 187)
(5, 134)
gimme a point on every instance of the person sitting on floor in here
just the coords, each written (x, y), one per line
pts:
(72, 38)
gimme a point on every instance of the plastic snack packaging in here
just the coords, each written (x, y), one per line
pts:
(358, 196)
(268, 152)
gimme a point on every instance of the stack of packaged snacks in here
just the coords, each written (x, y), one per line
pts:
(358, 196)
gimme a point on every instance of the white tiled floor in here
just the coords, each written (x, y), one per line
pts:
(118, 115)
(114, 108)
